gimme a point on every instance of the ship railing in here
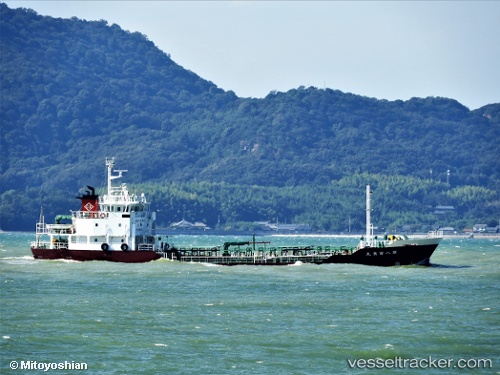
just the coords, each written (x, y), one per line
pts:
(119, 198)
(222, 259)
(60, 228)
(252, 259)
(40, 244)
(41, 228)
(435, 234)
(49, 245)
(89, 215)
(60, 245)
(146, 247)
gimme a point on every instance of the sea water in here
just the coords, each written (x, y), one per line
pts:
(166, 317)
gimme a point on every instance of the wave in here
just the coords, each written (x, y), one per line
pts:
(447, 266)
(65, 260)
(208, 264)
(25, 257)
(29, 259)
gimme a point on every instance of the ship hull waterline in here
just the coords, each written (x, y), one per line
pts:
(88, 255)
(371, 256)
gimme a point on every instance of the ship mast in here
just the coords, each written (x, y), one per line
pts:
(368, 218)
(110, 162)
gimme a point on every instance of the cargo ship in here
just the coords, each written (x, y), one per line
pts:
(391, 250)
(120, 227)
(117, 227)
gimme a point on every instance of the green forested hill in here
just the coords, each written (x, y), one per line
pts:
(73, 92)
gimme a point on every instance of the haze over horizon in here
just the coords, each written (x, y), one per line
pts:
(386, 50)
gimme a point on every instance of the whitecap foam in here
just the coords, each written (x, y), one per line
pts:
(67, 260)
(25, 257)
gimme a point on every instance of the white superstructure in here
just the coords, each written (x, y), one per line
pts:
(117, 220)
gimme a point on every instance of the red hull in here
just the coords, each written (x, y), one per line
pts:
(85, 255)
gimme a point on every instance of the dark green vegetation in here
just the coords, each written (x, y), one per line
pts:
(73, 92)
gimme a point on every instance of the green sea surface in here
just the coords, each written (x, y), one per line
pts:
(166, 317)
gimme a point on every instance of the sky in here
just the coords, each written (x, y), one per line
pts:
(385, 50)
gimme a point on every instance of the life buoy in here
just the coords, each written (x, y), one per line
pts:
(103, 215)
(124, 247)
(104, 247)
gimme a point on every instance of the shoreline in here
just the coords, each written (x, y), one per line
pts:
(315, 234)
(163, 232)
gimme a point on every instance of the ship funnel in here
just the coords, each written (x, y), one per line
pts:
(90, 201)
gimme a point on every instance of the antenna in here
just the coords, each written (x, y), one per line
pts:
(368, 218)
(110, 162)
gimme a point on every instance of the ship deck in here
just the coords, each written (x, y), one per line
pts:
(249, 256)
(253, 260)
